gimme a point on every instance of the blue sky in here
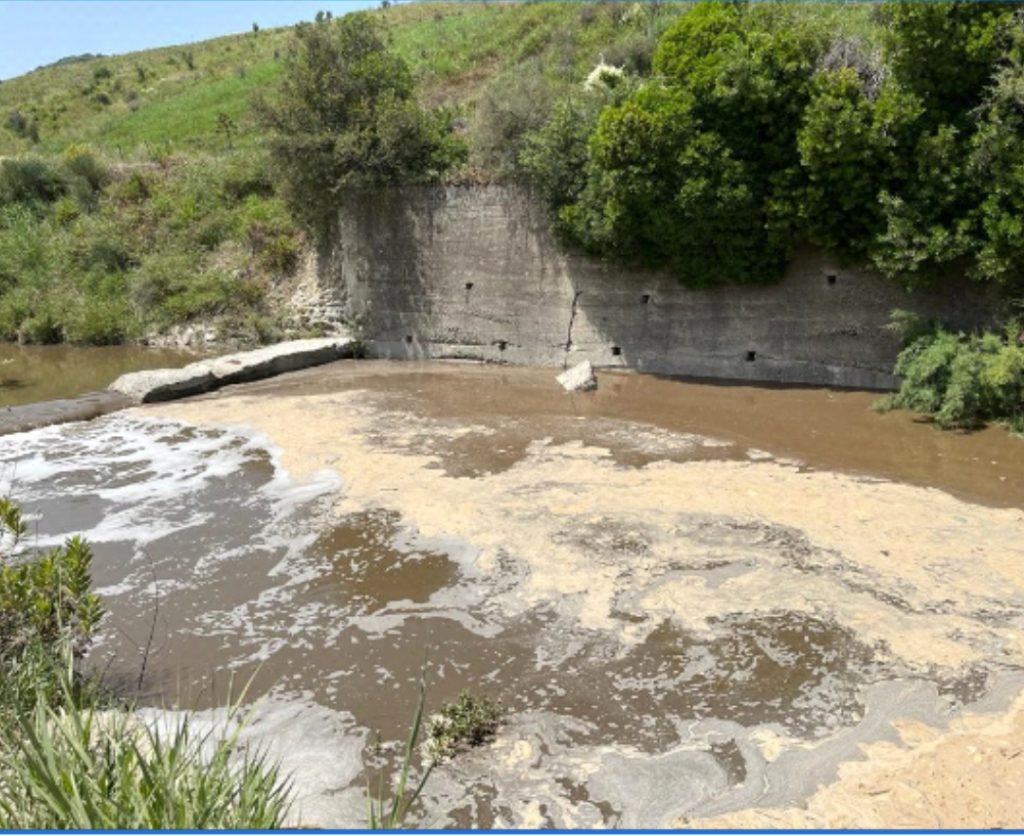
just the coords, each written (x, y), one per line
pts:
(36, 32)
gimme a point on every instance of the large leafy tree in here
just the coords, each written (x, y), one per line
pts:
(944, 52)
(345, 117)
(698, 169)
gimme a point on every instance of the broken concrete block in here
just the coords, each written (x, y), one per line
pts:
(580, 378)
(164, 384)
(204, 375)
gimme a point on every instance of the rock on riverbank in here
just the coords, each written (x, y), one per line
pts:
(204, 375)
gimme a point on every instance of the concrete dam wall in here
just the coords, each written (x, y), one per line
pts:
(474, 272)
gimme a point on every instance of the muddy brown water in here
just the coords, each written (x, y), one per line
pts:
(30, 374)
(218, 569)
(823, 428)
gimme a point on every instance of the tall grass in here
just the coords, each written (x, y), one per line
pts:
(390, 814)
(79, 766)
(72, 757)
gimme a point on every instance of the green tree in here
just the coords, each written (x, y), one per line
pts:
(852, 148)
(700, 170)
(345, 117)
(945, 53)
(996, 160)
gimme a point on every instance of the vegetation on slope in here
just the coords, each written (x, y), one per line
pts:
(70, 758)
(765, 126)
(195, 211)
(126, 250)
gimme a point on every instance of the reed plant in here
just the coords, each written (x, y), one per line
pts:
(79, 765)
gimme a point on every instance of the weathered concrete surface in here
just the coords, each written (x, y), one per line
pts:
(165, 384)
(202, 376)
(474, 272)
(24, 417)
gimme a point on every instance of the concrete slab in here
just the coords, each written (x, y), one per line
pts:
(205, 375)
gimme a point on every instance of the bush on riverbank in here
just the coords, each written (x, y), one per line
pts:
(114, 253)
(72, 757)
(959, 380)
(345, 116)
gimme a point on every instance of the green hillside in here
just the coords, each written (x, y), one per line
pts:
(143, 102)
(170, 99)
(137, 194)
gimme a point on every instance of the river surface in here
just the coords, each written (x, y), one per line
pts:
(692, 599)
(32, 373)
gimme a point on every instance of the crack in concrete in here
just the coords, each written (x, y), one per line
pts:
(572, 319)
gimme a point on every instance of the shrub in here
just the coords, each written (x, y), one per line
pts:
(945, 52)
(555, 156)
(468, 722)
(44, 326)
(133, 189)
(961, 381)
(86, 175)
(159, 275)
(16, 123)
(48, 611)
(89, 769)
(699, 171)
(208, 293)
(344, 116)
(100, 319)
(511, 106)
(851, 148)
(66, 210)
(29, 180)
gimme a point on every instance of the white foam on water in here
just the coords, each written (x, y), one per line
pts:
(138, 480)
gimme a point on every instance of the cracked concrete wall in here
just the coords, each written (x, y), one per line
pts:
(474, 272)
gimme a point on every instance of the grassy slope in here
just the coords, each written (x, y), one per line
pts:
(157, 103)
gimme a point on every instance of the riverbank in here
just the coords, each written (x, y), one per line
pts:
(746, 574)
(32, 374)
(155, 383)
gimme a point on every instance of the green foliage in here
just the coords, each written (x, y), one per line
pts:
(88, 769)
(961, 381)
(851, 148)
(699, 171)
(554, 157)
(345, 116)
(511, 106)
(30, 181)
(124, 252)
(48, 614)
(771, 124)
(944, 52)
(45, 597)
(468, 722)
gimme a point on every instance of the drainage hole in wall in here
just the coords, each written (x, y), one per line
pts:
(502, 345)
(645, 299)
(469, 285)
(408, 338)
(616, 351)
(831, 278)
(751, 356)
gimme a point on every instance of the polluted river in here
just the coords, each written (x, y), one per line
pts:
(700, 605)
